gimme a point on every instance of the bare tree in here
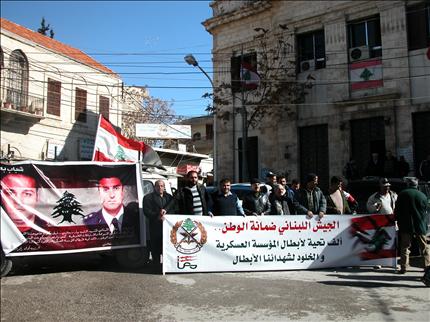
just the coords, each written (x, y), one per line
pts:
(142, 108)
(272, 93)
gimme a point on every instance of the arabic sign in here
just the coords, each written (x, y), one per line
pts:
(205, 244)
(163, 131)
(54, 207)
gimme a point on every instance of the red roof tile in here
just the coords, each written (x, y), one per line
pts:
(53, 45)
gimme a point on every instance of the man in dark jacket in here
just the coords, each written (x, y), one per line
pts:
(155, 206)
(193, 199)
(224, 202)
(281, 203)
(256, 203)
(412, 217)
(311, 199)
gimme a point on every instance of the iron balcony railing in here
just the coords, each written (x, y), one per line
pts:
(19, 101)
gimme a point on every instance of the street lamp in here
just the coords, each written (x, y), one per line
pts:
(191, 60)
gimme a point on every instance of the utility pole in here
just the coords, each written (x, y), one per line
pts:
(244, 123)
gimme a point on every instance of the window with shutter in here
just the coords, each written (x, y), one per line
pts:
(104, 106)
(54, 97)
(80, 105)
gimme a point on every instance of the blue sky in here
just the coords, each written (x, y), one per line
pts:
(133, 38)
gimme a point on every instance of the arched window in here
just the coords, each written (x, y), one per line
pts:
(17, 90)
(197, 136)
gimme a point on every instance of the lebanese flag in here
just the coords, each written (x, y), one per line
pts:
(376, 234)
(249, 76)
(112, 146)
(366, 74)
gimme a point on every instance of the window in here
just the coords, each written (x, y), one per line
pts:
(418, 18)
(311, 50)
(54, 97)
(209, 131)
(18, 79)
(104, 106)
(80, 105)
(244, 74)
(365, 39)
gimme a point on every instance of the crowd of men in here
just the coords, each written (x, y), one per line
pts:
(275, 197)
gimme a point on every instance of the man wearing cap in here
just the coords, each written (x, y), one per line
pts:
(412, 217)
(311, 200)
(113, 214)
(270, 182)
(384, 201)
(256, 203)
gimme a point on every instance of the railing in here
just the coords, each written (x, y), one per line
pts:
(17, 100)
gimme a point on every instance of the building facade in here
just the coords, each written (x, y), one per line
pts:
(368, 63)
(202, 134)
(51, 96)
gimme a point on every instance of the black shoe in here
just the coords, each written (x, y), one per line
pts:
(402, 271)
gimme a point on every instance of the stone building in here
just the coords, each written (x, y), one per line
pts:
(369, 65)
(51, 96)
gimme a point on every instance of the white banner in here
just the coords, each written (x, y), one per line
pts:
(163, 131)
(205, 244)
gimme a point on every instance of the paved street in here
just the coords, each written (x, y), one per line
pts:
(87, 287)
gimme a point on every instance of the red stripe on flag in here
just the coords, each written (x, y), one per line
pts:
(369, 222)
(384, 253)
(122, 140)
(367, 84)
(364, 64)
(100, 156)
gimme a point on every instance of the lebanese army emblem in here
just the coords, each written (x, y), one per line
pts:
(188, 236)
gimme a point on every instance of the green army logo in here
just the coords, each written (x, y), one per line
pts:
(188, 236)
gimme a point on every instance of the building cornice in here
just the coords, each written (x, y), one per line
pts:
(251, 9)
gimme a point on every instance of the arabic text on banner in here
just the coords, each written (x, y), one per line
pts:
(205, 244)
(62, 207)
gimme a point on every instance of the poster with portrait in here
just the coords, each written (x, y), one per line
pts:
(61, 207)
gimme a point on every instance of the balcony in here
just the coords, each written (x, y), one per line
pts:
(15, 104)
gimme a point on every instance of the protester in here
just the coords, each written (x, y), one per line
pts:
(280, 202)
(155, 205)
(282, 180)
(270, 181)
(224, 202)
(113, 214)
(336, 200)
(383, 201)
(193, 199)
(256, 203)
(295, 185)
(311, 199)
(19, 197)
(412, 217)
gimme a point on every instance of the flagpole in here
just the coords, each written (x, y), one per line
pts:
(95, 141)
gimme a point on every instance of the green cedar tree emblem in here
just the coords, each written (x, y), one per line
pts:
(67, 206)
(366, 74)
(188, 225)
(120, 155)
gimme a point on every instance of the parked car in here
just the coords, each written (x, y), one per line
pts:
(240, 189)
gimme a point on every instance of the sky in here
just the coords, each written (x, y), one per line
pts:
(143, 41)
